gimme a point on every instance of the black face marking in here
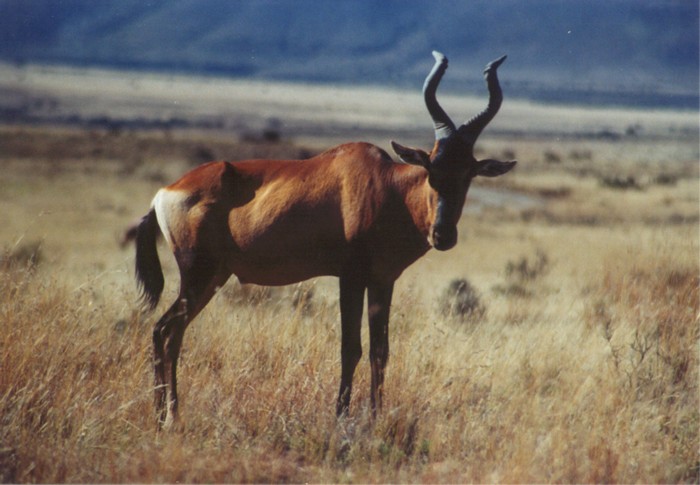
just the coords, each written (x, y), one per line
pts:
(450, 151)
(449, 181)
(450, 173)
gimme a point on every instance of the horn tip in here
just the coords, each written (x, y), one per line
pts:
(495, 64)
(439, 56)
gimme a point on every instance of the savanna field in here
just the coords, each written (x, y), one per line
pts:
(558, 342)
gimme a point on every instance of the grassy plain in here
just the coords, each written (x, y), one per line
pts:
(577, 363)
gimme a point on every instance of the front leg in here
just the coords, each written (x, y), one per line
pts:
(352, 293)
(378, 307)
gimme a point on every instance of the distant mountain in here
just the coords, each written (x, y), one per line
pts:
(631, 52)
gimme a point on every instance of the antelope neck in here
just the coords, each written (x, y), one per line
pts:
(422, 200)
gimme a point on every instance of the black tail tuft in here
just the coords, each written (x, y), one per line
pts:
(149, 273)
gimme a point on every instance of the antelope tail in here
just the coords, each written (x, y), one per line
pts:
(149, 274)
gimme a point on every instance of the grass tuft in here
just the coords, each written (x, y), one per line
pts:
(462, 301)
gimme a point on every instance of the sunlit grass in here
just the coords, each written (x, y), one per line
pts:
(540, 392)
(581, 364)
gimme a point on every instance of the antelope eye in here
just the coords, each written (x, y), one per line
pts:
(437, 180)
(444, 181)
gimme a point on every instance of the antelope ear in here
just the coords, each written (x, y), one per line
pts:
(412, 156)
(493, 168)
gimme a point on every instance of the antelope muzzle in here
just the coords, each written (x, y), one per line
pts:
(443, 236)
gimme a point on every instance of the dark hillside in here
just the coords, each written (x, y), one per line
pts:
(619, 52)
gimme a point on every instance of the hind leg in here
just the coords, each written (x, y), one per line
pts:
(171, 318)
(199, 283)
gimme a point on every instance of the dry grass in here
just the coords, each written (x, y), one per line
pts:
(583, 366)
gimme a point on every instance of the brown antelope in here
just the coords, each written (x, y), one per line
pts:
(350, 212)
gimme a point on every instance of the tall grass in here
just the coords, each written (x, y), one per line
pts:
(598, 386)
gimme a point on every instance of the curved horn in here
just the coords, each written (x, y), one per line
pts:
(444, 126)
(471, 130)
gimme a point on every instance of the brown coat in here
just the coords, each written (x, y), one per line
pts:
(280, 222)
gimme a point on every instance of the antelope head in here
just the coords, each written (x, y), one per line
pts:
(451, 164)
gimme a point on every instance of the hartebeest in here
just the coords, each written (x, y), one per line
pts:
(350, 212)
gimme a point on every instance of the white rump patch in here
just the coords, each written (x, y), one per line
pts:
(168, 207)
